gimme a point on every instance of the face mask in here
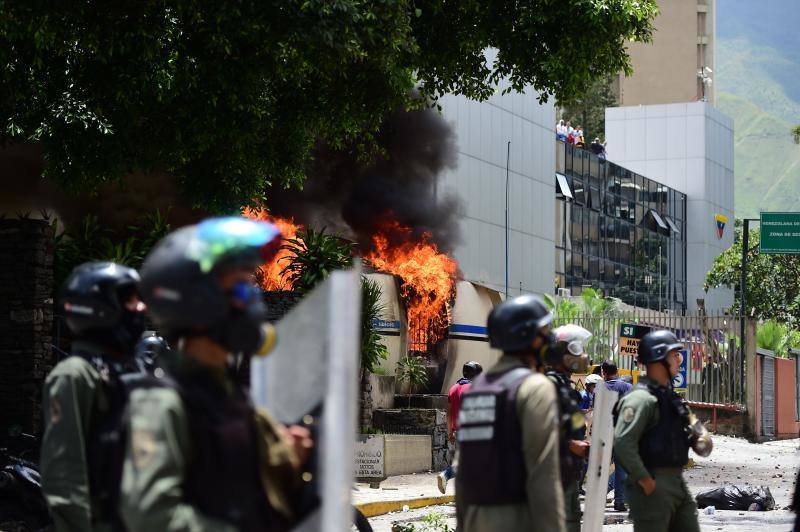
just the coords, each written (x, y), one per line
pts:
(244, 329)
(132, 325)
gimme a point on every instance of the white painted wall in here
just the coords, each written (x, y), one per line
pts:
(483, 130)
(689, 147)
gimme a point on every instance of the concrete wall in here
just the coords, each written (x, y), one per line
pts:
(665, 70)
(431, 423)
(467, 335)
(382, 391)
(406, 453)
(688, 147)
(392, 326)
(483, 130)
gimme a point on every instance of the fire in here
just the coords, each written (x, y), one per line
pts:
(271, 277)
(428, 279)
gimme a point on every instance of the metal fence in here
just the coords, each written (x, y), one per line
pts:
(714, 367)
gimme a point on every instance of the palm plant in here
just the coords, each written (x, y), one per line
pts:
(372, 350)
(313, 255)
(774, 337)
(410, 369)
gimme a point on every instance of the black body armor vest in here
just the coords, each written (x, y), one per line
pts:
(571, 424)
(105, 445)
(491, 464)
(223, 475)
(666, 444)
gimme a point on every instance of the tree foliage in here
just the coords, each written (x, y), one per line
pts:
(588, 109)
(772, 288)
(796, 134)
(229, 95)
(372, 348)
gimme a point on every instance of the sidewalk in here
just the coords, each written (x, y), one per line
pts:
(414, 491)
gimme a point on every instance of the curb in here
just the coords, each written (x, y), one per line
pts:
(372, 509)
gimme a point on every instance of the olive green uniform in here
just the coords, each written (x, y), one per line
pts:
(72, 392)
(670, 507)
(544, 510)
(159, 449)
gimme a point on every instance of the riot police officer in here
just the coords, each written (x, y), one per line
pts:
(200, 456)
(84, 396)
(652, 437)
(568, 356)
(508, 474)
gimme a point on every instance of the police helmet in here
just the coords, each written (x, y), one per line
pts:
(514, 324)
(471, 369)
(569, 346)
(151, 346)
(93, 299)
(654, 346)
(181, 288)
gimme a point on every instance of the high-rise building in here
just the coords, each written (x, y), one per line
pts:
(678, 65)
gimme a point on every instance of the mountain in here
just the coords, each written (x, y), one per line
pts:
(758, 84)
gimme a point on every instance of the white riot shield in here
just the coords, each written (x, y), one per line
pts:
(313, 371)
(602, 443)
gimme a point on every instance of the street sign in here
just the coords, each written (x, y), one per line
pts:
(680, 381)
(780, 233)
(629, 336)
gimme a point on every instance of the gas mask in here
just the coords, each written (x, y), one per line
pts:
(575, 360)
(244, 329)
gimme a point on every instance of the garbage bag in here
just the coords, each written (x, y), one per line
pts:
(736, 497)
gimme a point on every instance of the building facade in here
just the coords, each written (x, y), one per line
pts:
(677, 66)
(688, 147)
(619, 232)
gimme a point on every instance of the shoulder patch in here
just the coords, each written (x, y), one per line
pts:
(628, 414)
(143, 448)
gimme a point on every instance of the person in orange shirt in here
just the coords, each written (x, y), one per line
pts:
(470, 370)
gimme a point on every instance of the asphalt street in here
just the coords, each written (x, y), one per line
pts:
(734, 461)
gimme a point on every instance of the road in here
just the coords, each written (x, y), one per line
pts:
(734, 460)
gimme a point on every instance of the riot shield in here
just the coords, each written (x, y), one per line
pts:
(311, 378)
(602, 443)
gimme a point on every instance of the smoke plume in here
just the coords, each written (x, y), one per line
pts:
(358, 198)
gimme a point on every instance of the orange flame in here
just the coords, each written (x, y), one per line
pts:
(428, 279)
(272, 277)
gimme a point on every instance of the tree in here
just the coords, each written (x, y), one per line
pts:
(796, 134)
(313, 255)
(772, 290)
(588, 109)
(228, 96)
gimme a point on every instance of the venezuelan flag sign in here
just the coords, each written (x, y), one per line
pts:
(721, 221)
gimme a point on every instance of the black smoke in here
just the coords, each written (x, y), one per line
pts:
(356, 198)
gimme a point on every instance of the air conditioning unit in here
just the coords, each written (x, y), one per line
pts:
(564, 292)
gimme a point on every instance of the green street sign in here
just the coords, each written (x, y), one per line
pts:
(780, 233)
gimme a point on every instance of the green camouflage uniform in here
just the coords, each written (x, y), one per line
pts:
(72, 391)
(160, 447)
(670, 507)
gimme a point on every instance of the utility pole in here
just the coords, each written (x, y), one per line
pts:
(743, 298)
(508, 160)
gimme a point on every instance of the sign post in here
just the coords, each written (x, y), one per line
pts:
(780, 233)
(629, 336)
(681, 380)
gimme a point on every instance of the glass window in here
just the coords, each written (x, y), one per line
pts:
(562, 187)
(594, 268)
(579, 192)
(594, 227)
(627, 185)
(561, 157)
(577, 230)
(594, 199)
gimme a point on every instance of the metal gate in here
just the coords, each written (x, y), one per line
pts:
(767, 396)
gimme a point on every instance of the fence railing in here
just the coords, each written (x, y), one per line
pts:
(713, 355)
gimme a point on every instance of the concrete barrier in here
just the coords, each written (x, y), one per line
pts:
(407, 453)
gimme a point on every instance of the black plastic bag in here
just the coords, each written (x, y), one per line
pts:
(736, 497)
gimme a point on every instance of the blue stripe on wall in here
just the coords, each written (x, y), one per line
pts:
(468, 329)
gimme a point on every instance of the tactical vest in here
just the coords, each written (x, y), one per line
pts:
(223, 474)
(571, 423)
(105, 445)
(491, 467)
(667, 443)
